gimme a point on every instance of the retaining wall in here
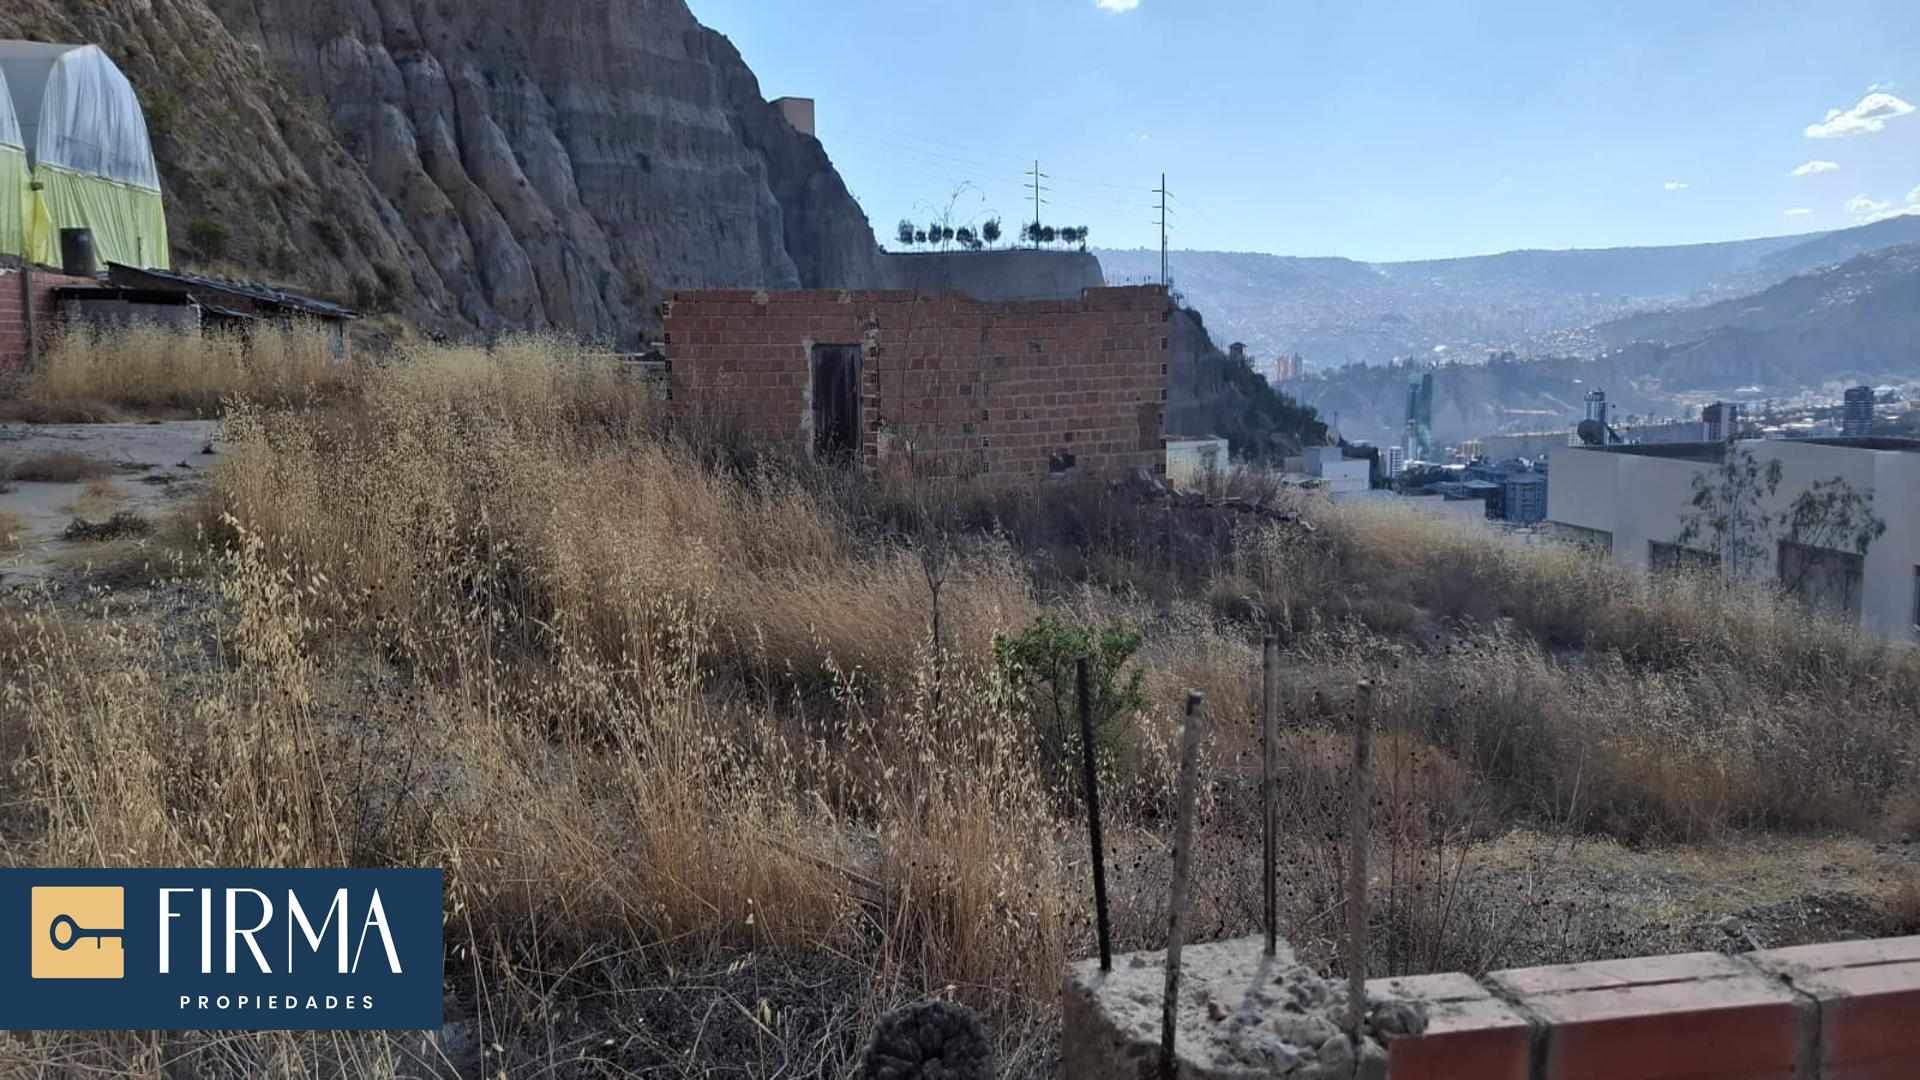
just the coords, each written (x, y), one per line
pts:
(13, 305)
(1842, 1011)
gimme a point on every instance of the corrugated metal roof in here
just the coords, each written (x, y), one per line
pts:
(255, 291)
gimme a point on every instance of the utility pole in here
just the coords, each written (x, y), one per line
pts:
(1162, 222)
(1038, 187)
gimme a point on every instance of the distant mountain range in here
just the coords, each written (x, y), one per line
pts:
(1338, 311)
(1854, 322)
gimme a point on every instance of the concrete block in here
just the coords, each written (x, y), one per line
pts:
(1241, 1015)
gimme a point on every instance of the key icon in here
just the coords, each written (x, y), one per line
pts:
(65, 927)
(64, 916)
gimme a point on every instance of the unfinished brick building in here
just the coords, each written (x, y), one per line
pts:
(932, 383)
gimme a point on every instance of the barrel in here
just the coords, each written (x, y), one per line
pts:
(76, 253)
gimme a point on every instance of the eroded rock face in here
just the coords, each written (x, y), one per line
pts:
(562, 164)
(472, 165)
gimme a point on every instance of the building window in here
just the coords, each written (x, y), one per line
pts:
(1673, 558)
(1598, 541)
(1826, 581)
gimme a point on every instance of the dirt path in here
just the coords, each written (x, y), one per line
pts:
(153, 465)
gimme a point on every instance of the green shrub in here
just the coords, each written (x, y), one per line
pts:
(1039, 664)
(208, 237)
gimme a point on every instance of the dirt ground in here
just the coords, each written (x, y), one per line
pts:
(154, 465)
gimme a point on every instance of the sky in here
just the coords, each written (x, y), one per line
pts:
(1376, 131)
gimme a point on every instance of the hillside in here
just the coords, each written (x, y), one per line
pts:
(1858, 321)
(1341, 311)
(255, 180)
(1209, 393)
(474, 167)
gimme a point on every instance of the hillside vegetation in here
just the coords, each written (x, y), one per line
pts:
(723, 751)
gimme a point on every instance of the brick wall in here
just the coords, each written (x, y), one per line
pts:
(1850, 1009)
(948, 384)
(13, 321)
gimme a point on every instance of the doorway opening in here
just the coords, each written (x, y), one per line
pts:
(836, 401)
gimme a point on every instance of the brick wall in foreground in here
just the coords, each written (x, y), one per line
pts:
(1845, 1011)
(13, 320)
(947, 383)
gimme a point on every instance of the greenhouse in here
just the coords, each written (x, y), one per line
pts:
(74, 154)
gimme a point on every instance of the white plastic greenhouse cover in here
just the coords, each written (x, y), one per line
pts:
(9, 126)
(77, 111)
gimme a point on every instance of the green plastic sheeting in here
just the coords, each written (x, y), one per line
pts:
(129, 225)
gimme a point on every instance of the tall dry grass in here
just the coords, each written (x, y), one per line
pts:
(659, 703)
(87, 374)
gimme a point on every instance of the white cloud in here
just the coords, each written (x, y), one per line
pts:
(1870, 115)
(1813, 167)
(1675, 185)
(1876, 87)
(1116, 6)
(1866, 209)
(1798, 211)
(1140, 136)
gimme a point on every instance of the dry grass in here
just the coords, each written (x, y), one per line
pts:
(652, 699)
(147, 370)
(1903, 903)
(98, 498)
(54, 467)
(13, 531)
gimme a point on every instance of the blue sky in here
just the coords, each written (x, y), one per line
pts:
(1371, 130)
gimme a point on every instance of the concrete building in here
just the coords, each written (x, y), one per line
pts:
(798, 112)
(1721, 421)
(1395, 460)
(1191, 460)
(1523, 497)
(1531, 445)
(931, 383)
(1343, 475)
(1856, 415)
(1630, 501)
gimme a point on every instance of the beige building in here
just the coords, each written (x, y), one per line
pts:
(799, 112)
(1330, 464)
(1193, 460)
(1631, 501)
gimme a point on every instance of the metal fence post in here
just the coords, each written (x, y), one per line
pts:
(1362, 822)
(1085, 706)
(1182, 865)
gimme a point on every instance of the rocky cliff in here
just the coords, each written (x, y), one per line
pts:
(475, 166)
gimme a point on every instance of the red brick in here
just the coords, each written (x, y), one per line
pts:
(1868, 995)
(1695, 1015)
